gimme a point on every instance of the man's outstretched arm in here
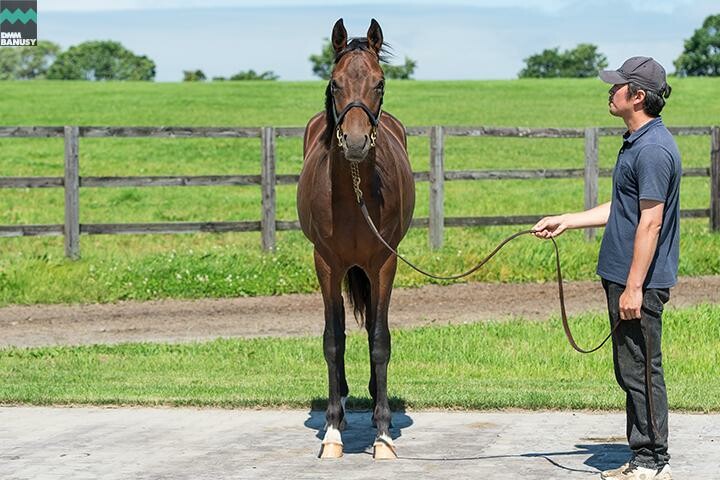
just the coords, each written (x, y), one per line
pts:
(553, 226)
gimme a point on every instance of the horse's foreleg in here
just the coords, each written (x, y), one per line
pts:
(370, 327)
(380, 350)
(334, 349)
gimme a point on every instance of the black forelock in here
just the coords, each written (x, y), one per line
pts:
(362, 44)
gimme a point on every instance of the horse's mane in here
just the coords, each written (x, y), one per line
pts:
(354, 44)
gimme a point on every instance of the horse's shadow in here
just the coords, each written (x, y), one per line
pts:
(359, 434)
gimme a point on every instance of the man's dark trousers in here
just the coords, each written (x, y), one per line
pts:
(629, 350)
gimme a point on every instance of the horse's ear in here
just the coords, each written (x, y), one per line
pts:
(339, 36)
(375, 36)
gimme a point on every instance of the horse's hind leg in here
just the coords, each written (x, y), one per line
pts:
(334, 348)
(379, 334)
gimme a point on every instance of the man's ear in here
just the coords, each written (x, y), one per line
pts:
(639, 98)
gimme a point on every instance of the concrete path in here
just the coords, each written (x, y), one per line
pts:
(145, 443)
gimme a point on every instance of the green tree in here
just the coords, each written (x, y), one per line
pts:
(401, 72)
(322, 64)
(9, 61)
(252, 75)
(583, 61)
(194, 76)
(101, 60)
(701, 56)
(548, 63)
(27, 63)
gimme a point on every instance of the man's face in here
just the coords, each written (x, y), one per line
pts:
(618, 101)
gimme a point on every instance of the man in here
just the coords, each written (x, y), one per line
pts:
(638, 258)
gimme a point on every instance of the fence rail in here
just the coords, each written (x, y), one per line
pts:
(268, 179)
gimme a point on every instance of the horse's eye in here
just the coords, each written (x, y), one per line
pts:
(334, 86)
(380, 86)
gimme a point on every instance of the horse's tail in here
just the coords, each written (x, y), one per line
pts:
(357, 285)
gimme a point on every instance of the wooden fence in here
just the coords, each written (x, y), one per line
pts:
(268, 224)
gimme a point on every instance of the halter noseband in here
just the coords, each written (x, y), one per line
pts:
(374, 119)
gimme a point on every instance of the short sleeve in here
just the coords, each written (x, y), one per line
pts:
(654, 169)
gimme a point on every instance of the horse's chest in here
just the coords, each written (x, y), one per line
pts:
(350, 227)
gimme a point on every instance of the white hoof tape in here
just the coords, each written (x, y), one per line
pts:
(331, 450)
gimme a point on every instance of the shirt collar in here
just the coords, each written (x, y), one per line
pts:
(631, 137)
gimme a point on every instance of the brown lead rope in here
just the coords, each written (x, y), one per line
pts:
(561, 294)
(648, 361)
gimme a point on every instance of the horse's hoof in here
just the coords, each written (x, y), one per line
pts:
(331, 450)
(384, 451)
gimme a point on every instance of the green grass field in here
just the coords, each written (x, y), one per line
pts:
(33, 270)
(514, 364)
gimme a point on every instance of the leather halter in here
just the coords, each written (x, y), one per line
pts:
(339, 117)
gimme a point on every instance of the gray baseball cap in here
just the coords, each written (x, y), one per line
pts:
(644, 72)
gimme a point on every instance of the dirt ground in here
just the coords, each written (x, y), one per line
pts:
(297, 315)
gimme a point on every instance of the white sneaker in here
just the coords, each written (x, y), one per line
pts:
(633, 472)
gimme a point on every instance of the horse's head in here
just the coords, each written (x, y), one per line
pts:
(355, 92)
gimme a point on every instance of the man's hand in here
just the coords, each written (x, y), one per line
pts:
(631, 303)
(549, 227)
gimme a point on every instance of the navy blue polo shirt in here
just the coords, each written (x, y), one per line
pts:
(648, 168)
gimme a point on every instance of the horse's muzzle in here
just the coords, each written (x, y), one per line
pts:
(356, 147)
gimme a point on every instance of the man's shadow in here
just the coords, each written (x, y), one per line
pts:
(605, 456)
(359, 433)
(602, 456)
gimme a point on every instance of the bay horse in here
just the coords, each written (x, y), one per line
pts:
(354, 133)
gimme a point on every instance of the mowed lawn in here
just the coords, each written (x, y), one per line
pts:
(33, 270)
(513, 364)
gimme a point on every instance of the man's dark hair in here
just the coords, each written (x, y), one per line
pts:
(653, 103)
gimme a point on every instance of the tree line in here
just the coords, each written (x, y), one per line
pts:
(700, 57)
(109, 60)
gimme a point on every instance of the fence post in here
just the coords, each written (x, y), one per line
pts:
(715, 180)
(592, 172)
(268, 180)
(72, 193)
(436, 218)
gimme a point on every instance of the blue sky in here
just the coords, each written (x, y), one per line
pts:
(484, 39)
